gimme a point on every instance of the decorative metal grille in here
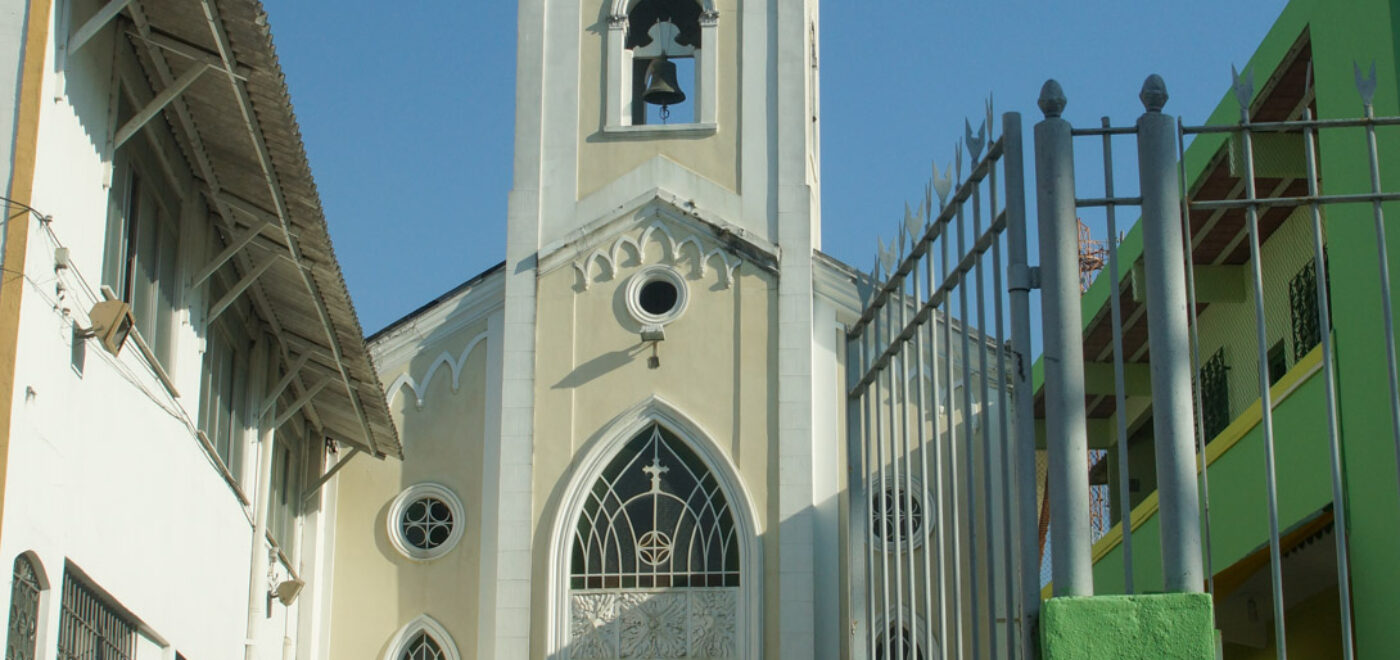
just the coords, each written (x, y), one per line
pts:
(1302, 298)
(24, 611)
(423, 647)
(655, 561)
(90, 629)
(426, 523)
(1215, 395)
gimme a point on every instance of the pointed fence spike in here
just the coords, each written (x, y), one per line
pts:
(1365, 86)
(911, 221)
(943, 185)
(1244, 87)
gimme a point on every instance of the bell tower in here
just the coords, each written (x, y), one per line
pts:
(674, 140)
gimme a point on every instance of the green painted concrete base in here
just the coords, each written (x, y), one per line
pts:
(1177, 626)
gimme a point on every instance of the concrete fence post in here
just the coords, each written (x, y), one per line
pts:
(1066, 438)
(1164, 260)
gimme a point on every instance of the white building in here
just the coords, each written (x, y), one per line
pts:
(160, 498)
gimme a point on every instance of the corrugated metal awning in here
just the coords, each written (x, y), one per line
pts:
(236, 126)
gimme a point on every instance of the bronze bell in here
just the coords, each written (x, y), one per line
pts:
(662, 88)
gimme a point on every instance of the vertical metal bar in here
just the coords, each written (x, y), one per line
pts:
(1265, 397)
(879, 492)
(1387, 316)
(953, 490)
(987, 508)
(1066, 440)
(1008, 507)
(924, 447)
(1169, 344)
(1120, 399)
(857, 479)
(867, 532)
(908, 452)
(1324, 325)
(1201, 464)
(936, 449)
(1018, 293)
(969, 469)
(891, 487)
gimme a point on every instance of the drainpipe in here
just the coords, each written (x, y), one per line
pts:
(258, 561)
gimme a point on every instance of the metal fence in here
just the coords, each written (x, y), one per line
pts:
(942, 412)
(930, 410)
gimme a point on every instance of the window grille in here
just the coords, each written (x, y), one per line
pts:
(90, 629)
(655, 558)
(1215, 395)
(24, 611)
(1302, 298)
(423, 647)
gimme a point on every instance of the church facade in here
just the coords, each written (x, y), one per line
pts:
(628, 440)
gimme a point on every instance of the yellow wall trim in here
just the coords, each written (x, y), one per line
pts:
(1301, 372)
(21, 187)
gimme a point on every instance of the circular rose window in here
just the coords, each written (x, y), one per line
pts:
(425, 521)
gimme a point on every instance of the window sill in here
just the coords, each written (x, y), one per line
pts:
(663, 129)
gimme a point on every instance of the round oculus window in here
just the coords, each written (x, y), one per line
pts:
(896, 512)
(656, 295)
(425, 521)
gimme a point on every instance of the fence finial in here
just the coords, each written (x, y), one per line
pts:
(942, 184)
(1244, 88)
(974, 142)
(1052, 99)
(1365, 86)
(1154, 93)
(912, 224)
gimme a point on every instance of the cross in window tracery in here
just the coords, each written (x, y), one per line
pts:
(655, 470)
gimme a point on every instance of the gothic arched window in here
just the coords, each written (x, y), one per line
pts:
(641, 32)
(423, 638)
(24, 610)
(423, 647)
(654, 569)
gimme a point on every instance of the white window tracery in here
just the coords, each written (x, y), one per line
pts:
(654, 570)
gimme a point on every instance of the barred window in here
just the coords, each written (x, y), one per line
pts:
(1302, 299)
(90, 628)
(24, 610)
(1215, 395)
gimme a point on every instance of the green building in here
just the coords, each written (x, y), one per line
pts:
(1321, 40)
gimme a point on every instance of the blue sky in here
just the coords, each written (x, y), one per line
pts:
(407, 112)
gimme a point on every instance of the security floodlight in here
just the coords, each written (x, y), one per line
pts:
(111, 324)
(288, 591)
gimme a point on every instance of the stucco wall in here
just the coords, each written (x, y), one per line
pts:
(377, 589)
(717, 367)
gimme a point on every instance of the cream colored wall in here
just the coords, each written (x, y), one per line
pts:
(377, 590)
(718, 366)
(604, 158)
